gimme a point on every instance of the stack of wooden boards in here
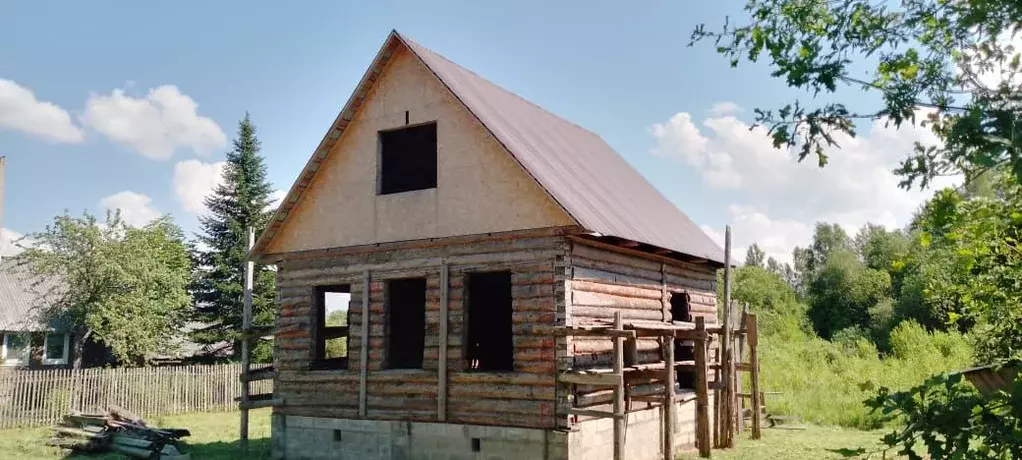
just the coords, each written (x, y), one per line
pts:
(118, 430)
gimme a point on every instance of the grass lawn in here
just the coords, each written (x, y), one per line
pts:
(815, 442)
(214, 436)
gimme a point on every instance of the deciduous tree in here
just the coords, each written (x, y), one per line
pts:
(122, 286)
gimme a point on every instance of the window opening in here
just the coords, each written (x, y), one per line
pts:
(490, 342)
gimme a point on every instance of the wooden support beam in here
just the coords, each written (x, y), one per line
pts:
(702, 395)
(265, 373)
(594, 413)
(363, 352)
(716, 400)
(669, 408)
(261, 403)
(757, 396)
(335, 332)
(442, 384)
(631, 352)
(580, 378)
(619, 390)
(246, 360)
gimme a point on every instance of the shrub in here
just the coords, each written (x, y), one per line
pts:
(826, 382)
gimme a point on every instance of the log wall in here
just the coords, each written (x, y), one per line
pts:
(525, 397)
(603, 281)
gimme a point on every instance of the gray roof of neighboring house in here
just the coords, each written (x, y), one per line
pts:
(581, 172)
(21, 296)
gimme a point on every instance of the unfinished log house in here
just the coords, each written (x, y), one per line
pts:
(469, 230)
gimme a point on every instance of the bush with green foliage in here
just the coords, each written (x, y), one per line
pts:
(948, 418)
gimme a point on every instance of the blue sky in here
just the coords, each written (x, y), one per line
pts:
(127, 77)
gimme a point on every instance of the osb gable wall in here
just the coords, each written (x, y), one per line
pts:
(525, 397)
(480, 187)
(604, 282)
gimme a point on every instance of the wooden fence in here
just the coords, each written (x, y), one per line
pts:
(40, 397)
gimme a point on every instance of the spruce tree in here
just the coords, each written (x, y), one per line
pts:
(241, 200)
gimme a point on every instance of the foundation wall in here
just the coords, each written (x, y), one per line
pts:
(311, 438)
(644, 439)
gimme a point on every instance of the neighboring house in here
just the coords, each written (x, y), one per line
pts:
(28, 340)
(462, 220)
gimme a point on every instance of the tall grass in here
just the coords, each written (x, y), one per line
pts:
(826, 382)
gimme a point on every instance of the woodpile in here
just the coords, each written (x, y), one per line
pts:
(119, 430)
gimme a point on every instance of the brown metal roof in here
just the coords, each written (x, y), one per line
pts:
(583, 174)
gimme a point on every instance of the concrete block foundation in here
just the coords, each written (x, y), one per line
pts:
(308, 438)
(301, 438)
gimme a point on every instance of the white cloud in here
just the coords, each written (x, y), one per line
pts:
(9, 242)
(156, 125)
(136, 208)
(783, 199)
(725, 108)
(21, 111)
(194, 181)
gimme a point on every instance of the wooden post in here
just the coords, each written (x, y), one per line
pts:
(716, 398)
(702, 393)
(757, 397)
(246, 327)
(740, 352)
(727, 344)
(619, 390)
(669, 407)
(442, 384)
(631, 352)
(363, 352)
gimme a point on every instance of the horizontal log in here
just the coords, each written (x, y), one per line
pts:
(562, 331)
(535, 367)
(538, 304)
(502, 391)
(604, 313)
(409, 403)
(402, 414)
(595, 299)
(489, 406)
(516, 378)
(600, 346)
(533, 354)
(597, 251)
(582, 272)
(653, 292)
(325, 399)
(317, 411)
(589, 379)
(412, 390)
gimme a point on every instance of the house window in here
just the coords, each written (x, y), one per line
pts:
(406, 323)
(331, 334)
(15, 349)
(408, 159)
(490, 345)
(55, 347)
(680, 309)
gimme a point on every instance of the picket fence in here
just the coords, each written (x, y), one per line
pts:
(42, 397)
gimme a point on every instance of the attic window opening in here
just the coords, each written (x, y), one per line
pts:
(331, 334)
(490, 342)
(408, 159)
(406, 323)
